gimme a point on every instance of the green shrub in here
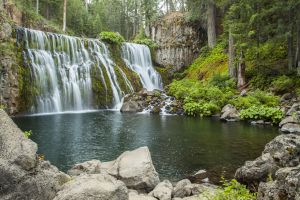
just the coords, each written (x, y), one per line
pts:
(2, 107)
(111, 37)
(222, 81)
(233, 190)
(200, 109)
(146, 41)
(274, 115)
(27, 134)
(282, 84)
(244, 102)
(265, 98)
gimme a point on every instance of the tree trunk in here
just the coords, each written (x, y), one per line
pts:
(211, 24)
(297, 57)
(37, 6)
(231, 63)
(65, 16)
(290, 42)
(241, 71)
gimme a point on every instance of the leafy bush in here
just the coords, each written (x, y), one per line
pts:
(111, 37)
(222, 81)
(27, 134)
(282, 84)
(266, 98)
(200, 109)
(234, 190)
(274, 115)
(244, 102)
(146, 41)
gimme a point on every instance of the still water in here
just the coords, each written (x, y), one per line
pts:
(179, 145)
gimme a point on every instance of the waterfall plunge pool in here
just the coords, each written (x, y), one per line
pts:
(180, 146)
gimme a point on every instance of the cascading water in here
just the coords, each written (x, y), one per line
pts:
(61, 69)
(138, 58)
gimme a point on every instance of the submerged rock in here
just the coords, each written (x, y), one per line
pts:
(276, 173)
(93, 187)
(135, 169)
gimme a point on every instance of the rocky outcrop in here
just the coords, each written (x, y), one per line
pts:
(276, 172)
(93, 187)
(178, 42)
(23, 176)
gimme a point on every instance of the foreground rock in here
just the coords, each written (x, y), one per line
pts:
(23, 176)
(93, 187)
(135, 169)
(276, 172)
(163, 191)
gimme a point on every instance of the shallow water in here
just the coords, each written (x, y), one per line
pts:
(179, 145)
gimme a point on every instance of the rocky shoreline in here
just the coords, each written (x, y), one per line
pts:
(132, 176)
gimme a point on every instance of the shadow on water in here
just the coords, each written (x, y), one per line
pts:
(179, 145)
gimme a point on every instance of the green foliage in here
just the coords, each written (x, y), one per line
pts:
(200, 109)
(27, 134)
(274, 115)
(223, 81)
(234, 190)
(146, 41)
(111, 38)
(282, 84)
(2, 107)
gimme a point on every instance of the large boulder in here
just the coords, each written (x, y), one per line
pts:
(135, 169)
(229, 113)
(134, 195)
(131, 106)
(23, 176)
(279, 164)
(182, 188)
(163, 191)
(290, 128)
(294, 110)
(93, 187)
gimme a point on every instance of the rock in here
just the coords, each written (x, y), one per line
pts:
(135, 169)
(197, 189)
(156, 110)
(289, 119)
(182, 189)
(163, 191)
(243, 93)
(229, 113)
(295, 109)
(93, 187)
(5, 31)
(291, 128)
(286, 97)
(89, 167)
(131, 106)
(286, 185)
(22, 175)
(281, 152)
(136, 196)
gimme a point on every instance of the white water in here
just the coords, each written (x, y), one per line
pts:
(138, 58)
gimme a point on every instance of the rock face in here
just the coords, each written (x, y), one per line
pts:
(229, 113)
(277, 172)
(179, 42)
(135, 169)
(23, 176)
(93, 187)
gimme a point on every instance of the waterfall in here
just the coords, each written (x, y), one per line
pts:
(61, 67)
(138, 58)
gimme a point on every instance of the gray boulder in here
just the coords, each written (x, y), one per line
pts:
(182, 188)
(290, 128)
(229, 113)
(93, 187)
(131, 106)
(289, 120)
(279, 164)
(295, 109)
(133, 195)
(135, 169)
(23, 176)
(163, 191)
(88, 167)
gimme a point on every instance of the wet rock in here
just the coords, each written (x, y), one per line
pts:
(291, 128)
(281, 152)
(88, 167)
(163, 191)
(229, 113)
(182, 189)
(135, 169)
(131, 106)
(93, 187)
